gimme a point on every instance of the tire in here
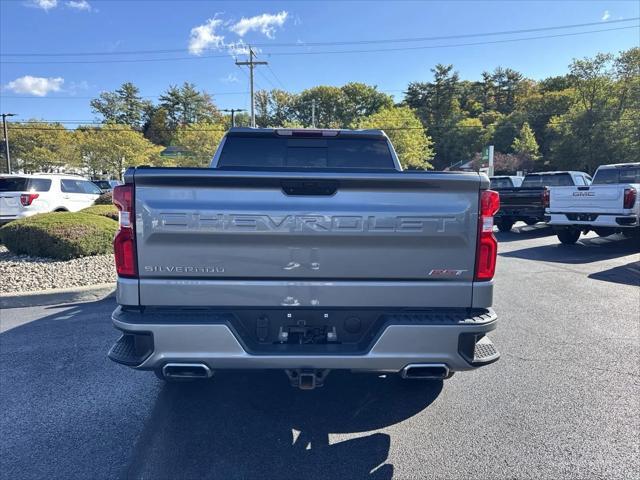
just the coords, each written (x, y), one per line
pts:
(504, 225)
(604, 232)
(568, 236)
(530, 221)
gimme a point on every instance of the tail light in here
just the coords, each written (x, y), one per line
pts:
(124, 244)
(546, 198)
(27, 199)
(487, 250)
(630, 195)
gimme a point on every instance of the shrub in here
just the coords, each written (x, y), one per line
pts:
(104, 199)
(60, 235)
(109, 211)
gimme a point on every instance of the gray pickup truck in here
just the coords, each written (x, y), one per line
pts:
(306, 251)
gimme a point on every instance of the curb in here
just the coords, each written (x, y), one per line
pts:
(91, 293)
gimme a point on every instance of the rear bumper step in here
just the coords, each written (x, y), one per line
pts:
(203, 338)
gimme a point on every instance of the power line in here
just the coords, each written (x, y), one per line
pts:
(329, 43)
(331, 52)
(276, 77)
(426, 47)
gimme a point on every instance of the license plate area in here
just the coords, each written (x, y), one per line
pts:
(307, 330)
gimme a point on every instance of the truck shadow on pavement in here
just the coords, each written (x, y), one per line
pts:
(587, 250)
(625, 274)
(252, 424)
(524, 232)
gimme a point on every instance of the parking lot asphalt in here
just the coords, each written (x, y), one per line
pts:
(563, 401)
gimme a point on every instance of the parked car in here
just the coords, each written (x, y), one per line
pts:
(527, 202)
(610, 205)
(25, 195)
(304, 250)
(106, 185)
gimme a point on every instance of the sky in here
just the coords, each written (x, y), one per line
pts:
(58, 54)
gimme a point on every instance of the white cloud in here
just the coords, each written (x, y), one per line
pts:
(204, 36)
(230, 78)
(606, 15)
(265, 23)
(79, 5)
(44, 4)
(38, 86)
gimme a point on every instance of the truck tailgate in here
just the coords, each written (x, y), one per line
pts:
(591, 199)
(215, 237)
(521, 198)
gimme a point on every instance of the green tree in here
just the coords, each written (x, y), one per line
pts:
(361, 100)
(156, 128)
(411, 143)
(123, 106)
(111, 148)
(525, 143)
(185, 104)
(42, 147)
(274, 108)
(328, 107)
(602, 124)
(466, 138)
(200, 140)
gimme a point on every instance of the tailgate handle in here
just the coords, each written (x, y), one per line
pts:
(583, 188)
(309, 187)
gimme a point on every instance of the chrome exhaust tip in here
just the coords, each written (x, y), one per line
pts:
(186, 370)
(436, 371)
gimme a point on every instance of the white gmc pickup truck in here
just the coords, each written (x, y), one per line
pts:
(306, 251)
(609, 205)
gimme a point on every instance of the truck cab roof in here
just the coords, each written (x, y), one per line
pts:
(619, 165)
(304, 132)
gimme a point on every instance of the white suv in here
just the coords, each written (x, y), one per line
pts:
(25, 195)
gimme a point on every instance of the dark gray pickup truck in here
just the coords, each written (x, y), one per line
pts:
(306, 251)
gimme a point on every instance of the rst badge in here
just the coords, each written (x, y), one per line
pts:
(445, 272)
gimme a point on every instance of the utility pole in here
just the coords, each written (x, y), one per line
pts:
(251, 64)
(491, 160)
(233, 114)
(313, 113)
(6, 139)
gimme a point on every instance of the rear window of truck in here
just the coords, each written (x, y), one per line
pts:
(280, 152)
(24, 184)
(617, 175)
(551, 180)
(501, 182)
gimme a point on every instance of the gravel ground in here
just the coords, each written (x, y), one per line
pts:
(22, 273)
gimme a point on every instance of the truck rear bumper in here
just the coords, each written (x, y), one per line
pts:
(594, 220)
(450, 337)
(518, 213)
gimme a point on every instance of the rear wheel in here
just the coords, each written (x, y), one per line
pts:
(568, 236)
(504, 224)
